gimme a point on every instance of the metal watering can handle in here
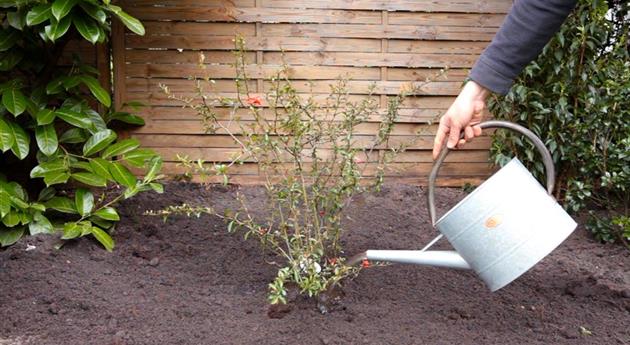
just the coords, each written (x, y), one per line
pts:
(546, 156)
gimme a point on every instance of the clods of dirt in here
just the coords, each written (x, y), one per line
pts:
(188, 281)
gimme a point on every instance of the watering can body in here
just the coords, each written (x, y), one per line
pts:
(500, 230)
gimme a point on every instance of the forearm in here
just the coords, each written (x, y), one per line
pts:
(522, 36)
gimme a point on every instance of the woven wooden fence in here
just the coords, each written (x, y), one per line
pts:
(384, 43)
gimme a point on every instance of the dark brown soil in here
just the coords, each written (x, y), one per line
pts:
(189, 282)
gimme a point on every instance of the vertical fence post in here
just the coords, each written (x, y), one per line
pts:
(118, 63)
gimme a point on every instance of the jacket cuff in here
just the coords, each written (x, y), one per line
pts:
(488, 77)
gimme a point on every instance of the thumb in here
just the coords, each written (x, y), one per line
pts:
(453, 134)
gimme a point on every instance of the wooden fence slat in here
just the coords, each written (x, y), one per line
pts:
(255, 43)
(445, 19)
(253, 71)
(468, 6)
(424, 32)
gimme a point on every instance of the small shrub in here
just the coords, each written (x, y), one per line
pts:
(576, 97)
(50, 134)
(312, 163)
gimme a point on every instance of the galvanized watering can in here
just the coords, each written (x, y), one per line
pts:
(500, 230)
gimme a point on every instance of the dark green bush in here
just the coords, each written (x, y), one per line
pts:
(576, 97)
(50, 131)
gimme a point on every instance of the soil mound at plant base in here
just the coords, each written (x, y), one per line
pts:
(189, 282)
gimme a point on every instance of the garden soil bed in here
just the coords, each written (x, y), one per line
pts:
(187, 281)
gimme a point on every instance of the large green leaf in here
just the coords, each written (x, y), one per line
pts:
(154, 167)
(10, 236)
(45, 116)
(95, 88)
(14, 100)
(98, 142)
(74, 118)
(138, 157)
(74, 136)
(56, 177)
(94, 12)
(61, 8)
(84, 201)
(90, 179)
(103, 238)
(17, 19)
(46, 139)
(6, 136)
(11, 219)
(71, 230)
(5, 204)
(107, 213)
(87, 27)
(40, 224)
(127, 118)
(130, 22)
(61, 204)
(22, 141)
(56, 165)
(8, 37)
(38, 14)
(120, 148)
(97, 121)
(57, 29)
(122, 175)
(101, 168)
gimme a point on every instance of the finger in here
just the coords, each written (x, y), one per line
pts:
(476, 131)
(461, 143)
(442, 131)
(453, 135)
(468, 133)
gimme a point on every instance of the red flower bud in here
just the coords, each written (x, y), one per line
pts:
(365, 263)
(254, 101)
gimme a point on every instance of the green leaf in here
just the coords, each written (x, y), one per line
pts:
(61, 204)
(84, 201)
(120, 148)
(57, 29)
(55, 86)
(22, 142)
(5, 204)
(74, 136)
(98, 142)
(11, 219)
(70, 231)
(46, 194)
(107, 213)
(45, 116)
(94, 12)
(74, 118)
(127, 118)
(81, 165)
(9, 237)
(57, 165)
(130, 22)
(97, 120)
(61, 8)
(17, 19)
(37, 206)
(14, 100)
(90, 179)
(46, 139)
(86, 27)
(40, 225)
(101, 168)
(8, 37)
(122, 175)
(103, 238)
(38, 14)
(95, 88)
(11, 59)
(104, 224)
(56, 177)
(154, 167)
(138, 157)
(157, 187)
(6, 136)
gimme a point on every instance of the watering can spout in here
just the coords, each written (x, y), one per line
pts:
(441, 258)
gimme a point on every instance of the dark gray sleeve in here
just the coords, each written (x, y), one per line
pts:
(529, 25)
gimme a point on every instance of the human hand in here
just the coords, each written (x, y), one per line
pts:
(464, 114)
